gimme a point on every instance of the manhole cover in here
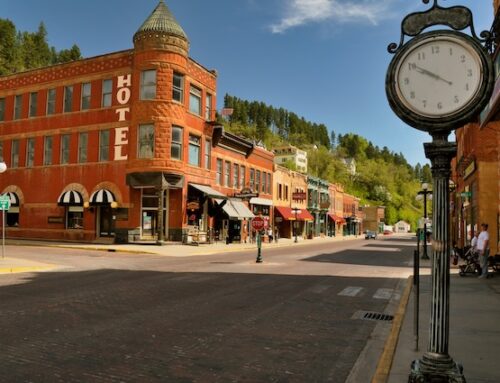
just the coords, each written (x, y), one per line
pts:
(371, 315)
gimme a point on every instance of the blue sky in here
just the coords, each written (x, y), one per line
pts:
(325, 60)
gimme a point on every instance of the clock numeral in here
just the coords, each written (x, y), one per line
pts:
(412, 95)
(451, 51)
(469, 72)
(440, 105)
(456, 100)
(407, 81)
(421, 56)
(462, 58)
(412, 66)
(435, 49)
(467, 86)
(424, 103)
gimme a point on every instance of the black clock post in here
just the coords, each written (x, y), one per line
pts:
(436, 365)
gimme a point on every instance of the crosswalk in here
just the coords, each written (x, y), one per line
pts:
(381, 293)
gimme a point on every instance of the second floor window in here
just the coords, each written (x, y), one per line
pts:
(1, 152)
(148, 84)
(227, 174)
(178, 87)
(218, 175)
(65, 143)
(252, 179)
(51, 101)
(269, 183)
(30, 152)
(195, 100)
(33, 103)
(236, 176)
(242, 176)
(104, 145)
(18, 106)
(107, 88)
(2, 109)
(176, 146)
(257, 181)
(83, 140)
(194, 150)
(208, 107)
(86, 90)
(208, 154)
(146, 141)
(47, 150)
(14, 155)
(68, 98)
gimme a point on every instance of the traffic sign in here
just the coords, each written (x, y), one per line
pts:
(4, 202)
(258, 223)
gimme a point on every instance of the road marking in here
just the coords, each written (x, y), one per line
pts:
(384, 294)
(351, 291)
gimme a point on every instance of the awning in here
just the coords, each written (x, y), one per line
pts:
(102, 197)
(70, 198)
(336, 218)
(159, 180)
(236, 209)
(14, 199)
(304, 215)
(286, 212)
(208, 191)
(261, 201)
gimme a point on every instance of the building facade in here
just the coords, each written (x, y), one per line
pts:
(374, 218)
(291, 154)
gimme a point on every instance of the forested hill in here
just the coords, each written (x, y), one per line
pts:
(20, 51)
(380, 176)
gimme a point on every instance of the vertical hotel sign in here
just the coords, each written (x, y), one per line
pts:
(123, 97)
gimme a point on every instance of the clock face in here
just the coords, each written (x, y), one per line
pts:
(439, 76)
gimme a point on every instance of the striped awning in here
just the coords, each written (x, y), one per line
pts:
(14, 199)
(102, 197)
(70, 198)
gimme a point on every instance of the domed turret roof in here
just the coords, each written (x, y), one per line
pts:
(161, 20)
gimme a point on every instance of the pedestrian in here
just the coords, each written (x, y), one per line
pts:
(473, 243)
(276, 234)
(270, 235)
(483, 248)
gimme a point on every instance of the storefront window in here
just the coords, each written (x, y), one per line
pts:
(74, 217)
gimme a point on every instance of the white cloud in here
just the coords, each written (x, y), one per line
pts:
(301, 12)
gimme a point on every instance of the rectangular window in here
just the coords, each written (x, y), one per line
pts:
(264, 182)
(30, 152)
(194, 150)
(178, 87)
(148, 84)
(2, 109)
(1, 152)
(280, 191)
(47, 150)
(18, 106)
(269, 183)
(236, 176)
(83, 141)
(103, 145)
(227, 174)
(51, 101)
(65, 143)
(252, 179)
(195, 100)
(33, 103)
(208, 107)
(68, 98)
(107, 88)
(208, 154)
(176, 146)
(218, 176)
(14, 155)
(146, 141)
(242, 176)
(257, 181)
(286, 192)
(86, 92)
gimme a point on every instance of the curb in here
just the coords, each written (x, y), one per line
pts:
(24, 269)
(385, 362)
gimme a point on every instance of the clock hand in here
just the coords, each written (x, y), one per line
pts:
(431, 74)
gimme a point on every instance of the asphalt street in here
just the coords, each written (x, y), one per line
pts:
(114, 317)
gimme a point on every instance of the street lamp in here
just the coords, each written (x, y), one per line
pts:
(3, 168)
(296, 210)
(424, 192)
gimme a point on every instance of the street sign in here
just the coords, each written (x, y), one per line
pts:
(466, 194)
(4, 203)
(258, 223)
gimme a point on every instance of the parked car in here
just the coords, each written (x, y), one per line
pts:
(387, 232)
(370, 235)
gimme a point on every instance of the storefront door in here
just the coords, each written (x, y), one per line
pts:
(106, 224)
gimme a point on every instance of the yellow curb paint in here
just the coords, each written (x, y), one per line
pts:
(24, 269)
(385, 361)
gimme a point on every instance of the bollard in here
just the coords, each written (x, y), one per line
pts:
(259, 248)
(416, 292)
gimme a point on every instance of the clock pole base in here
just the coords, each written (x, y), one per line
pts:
(436, 368)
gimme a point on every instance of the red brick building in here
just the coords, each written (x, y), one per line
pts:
(124, 147)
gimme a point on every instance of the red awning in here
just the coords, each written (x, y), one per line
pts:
(336, 218)
(288, 214)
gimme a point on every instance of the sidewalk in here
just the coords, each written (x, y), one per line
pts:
(17, 265)
(474, 328)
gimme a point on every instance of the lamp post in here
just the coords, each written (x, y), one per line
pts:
(3, 168)
(424, 192)
(296, 210)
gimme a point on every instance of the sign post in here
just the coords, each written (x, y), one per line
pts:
(296, 223)
(258, 225)
(4, 205)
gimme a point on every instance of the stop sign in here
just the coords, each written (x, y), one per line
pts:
(258, 223)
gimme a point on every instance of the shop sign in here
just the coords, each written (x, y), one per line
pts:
(299, 196)
(278, 219)
(123, 97)
(55, 219)
(470, 169)
(324, 205)
(246, 193)
(193, 205)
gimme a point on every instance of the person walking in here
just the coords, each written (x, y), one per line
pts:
(483, 249)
